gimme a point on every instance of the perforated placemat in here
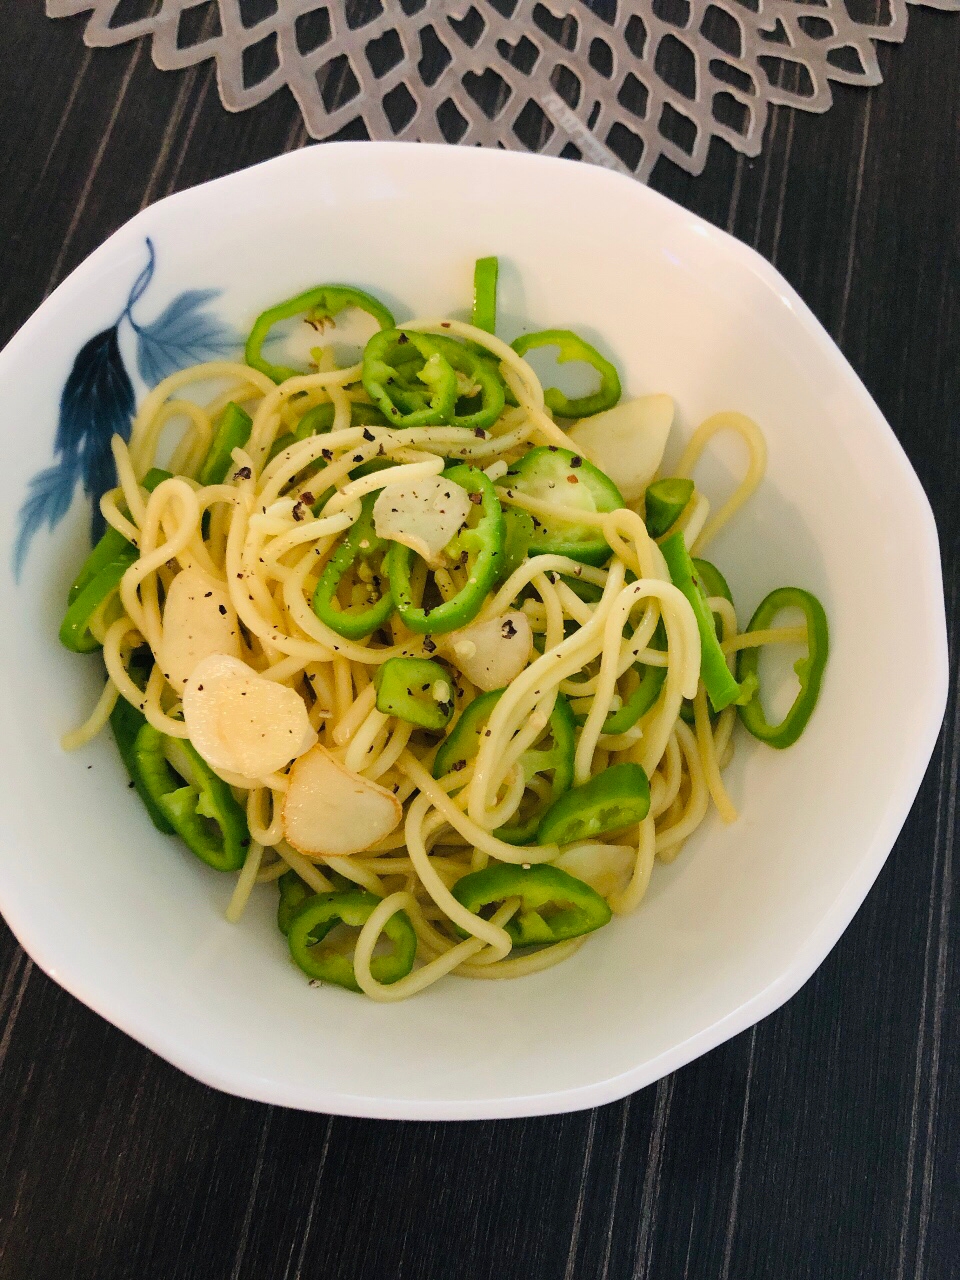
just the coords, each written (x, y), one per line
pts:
(619, 84)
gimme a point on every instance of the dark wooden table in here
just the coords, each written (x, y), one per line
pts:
(824, 1143)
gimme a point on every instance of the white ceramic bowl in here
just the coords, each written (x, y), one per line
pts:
(132, 925)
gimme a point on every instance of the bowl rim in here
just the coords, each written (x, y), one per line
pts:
(849, 896)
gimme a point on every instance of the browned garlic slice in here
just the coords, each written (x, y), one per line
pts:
(627, 441)
(241, 722)
(198, 619)
(604, 867)
(491, 653)
(329, 810)
(422, 514)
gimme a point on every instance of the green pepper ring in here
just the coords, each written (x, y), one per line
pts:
(583, 909)
(314, 919)
(487, 376)
(403, 403)
(809, 669)
(355, 624)
(616, 798)
(487, 537)
(572, 347)
(554, 466)
(187, 808)
(232, 432)
(395, 681)
(324, 301)
(485, 274)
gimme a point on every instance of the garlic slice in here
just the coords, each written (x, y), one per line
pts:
(491, 653)
(604, 867)
(331, 811)
(241, 722)
(422, 514)
(198, 619)
(627, 441)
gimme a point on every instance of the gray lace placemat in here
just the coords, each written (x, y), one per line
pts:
(619, 84)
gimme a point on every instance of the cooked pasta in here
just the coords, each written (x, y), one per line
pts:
(424, 642)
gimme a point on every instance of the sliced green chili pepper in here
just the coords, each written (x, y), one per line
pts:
(644, 695)
(618, 797)
(551, 474)
(638, 703)
(126, 722)
(201, 809)
(75, 633)
(570, 346)
(485, 294)
(553, 904)
(233, 432)
(317, 305)
(293, 894)
(314, 919)
(479, 546)
(360, 549)
(557, 759)
(490, 395)
(809, 669)
(463, 741)
(408, 377)
(460, 747)
(711, 580)
(717, 677)
(664, 503)
(101, 573)
(111, 543)
(518, 534)
(416, 690)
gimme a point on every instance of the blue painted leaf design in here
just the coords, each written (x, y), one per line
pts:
(184, 333)
(97, 402)
(47, 502)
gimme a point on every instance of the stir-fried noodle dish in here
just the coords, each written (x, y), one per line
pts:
(427, 648)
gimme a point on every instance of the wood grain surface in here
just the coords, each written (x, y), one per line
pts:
(824, 1144)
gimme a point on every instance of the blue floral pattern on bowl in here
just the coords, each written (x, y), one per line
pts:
(98, 401)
